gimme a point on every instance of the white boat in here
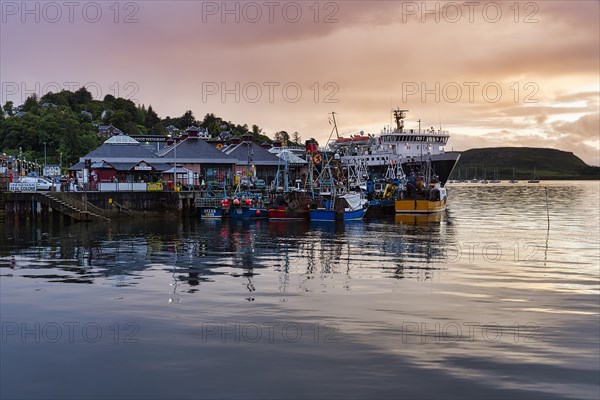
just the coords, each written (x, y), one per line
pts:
(533, 179)
(409, 148)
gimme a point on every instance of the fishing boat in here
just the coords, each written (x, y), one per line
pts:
(430, 200)
(287, 203)
(331, 199)
(332, 208)
(247, 207)
(423, 194)
(289, 206)
(213, 205)
(381, 196)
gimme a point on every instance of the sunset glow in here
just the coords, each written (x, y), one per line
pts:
(492, 73)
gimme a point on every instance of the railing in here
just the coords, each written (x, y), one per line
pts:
(77, 200)
(207, 202)
(122, 187)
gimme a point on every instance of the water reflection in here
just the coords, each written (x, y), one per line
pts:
(395, 289)
(195, 252)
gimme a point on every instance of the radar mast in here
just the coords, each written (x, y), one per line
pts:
(399, 116)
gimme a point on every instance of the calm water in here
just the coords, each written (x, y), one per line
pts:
(482, 301)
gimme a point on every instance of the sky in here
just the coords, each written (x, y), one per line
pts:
(492, 73)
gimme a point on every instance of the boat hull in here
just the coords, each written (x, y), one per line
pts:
(283, 213)
(322, 215)
(211, 213)
(379, 208)
(442, 165)
(248, 213)
(409, 206)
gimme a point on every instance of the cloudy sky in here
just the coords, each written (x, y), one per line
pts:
(493, 73)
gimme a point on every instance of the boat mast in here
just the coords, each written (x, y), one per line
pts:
(335, 125)
(399, 116)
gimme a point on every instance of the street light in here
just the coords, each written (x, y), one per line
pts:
(60, 163)
(44, 170)
(174, 156)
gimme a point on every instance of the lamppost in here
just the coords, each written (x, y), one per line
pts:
(60, 163)
(174, 156)
(44, 170)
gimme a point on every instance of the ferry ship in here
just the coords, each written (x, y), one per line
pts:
(371, 155)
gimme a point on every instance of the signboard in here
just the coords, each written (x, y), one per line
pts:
(154, 187)
(22, 187)
(52, 170)
(150, 138)
(142, 168)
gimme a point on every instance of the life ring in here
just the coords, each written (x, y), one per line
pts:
(318, 158)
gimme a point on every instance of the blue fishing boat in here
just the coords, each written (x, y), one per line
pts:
(213, 205)
(347, 207)
(247, 207)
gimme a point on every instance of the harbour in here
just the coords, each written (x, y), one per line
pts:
(299, 200)
(352, 308)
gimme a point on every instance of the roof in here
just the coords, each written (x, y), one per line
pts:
(120, 147)
(289, 157)
(121, 139)
(121, 166)
(195, 150)
(180, 170)
(248, 151)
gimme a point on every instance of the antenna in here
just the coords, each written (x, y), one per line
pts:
(391, 111)
(334, 126)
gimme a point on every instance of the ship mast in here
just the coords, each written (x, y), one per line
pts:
(399, 116)
(335, 125)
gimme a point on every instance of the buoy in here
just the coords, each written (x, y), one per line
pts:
(248, 202)
(257, 212)
(236, 202)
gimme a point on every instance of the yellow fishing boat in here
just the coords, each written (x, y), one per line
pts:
(423, 202)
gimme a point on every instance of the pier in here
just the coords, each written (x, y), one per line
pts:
(98, 206)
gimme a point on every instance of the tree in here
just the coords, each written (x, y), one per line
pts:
(8, 108)
(296, 138)
(31, 104)
(187, 120)
(82, 96)
(283, 137)
(151, 118)
(109, 98)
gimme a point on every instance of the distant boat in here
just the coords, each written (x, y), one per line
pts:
(496, 180)
(484, 181)
(513, 180)
(534, 179)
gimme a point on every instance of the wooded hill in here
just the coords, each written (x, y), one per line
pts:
(500, 161)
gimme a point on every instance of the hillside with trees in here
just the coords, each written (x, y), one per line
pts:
(68, 123)
(548, 164)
